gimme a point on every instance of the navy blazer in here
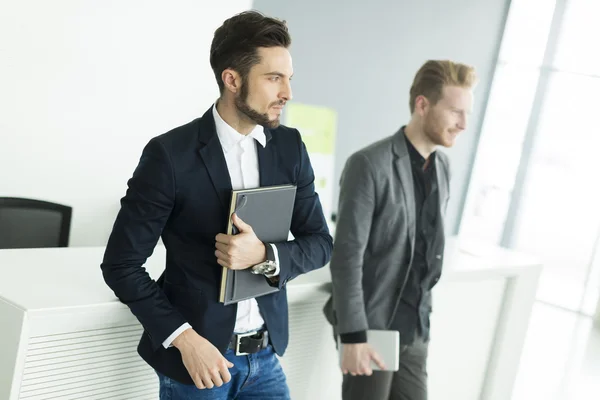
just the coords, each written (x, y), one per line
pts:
(180, 191)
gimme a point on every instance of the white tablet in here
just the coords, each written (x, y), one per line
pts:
(386, 344)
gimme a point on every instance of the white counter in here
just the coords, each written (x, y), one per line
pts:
(66, 336)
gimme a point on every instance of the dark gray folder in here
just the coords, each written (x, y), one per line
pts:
(268, 210)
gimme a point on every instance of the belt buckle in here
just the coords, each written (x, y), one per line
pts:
(238, 340)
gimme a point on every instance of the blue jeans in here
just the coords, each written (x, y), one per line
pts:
(256, 376)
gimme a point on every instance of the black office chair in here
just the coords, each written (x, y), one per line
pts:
(27, 223)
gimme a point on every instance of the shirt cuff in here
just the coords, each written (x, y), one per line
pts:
(168, 342)
(276, 254)
(354, 337)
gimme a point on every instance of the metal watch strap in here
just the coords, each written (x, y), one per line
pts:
(268, 266)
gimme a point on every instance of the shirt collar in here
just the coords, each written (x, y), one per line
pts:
(229, 137)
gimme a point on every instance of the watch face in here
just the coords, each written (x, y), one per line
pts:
(264, 268)
(269, 269)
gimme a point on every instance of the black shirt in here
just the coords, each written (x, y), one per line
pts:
(426, 200)
(412, 316)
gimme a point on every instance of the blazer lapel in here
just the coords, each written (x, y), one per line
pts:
(212, 155)
(404, 171)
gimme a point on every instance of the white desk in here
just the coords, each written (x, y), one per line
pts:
(65, 336)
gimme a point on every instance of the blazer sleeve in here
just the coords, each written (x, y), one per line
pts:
(353, 225)
(144, 212)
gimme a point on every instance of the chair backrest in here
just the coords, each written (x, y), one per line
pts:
(28, 223)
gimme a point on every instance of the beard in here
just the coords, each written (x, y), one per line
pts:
(435, 131)
(251, 114)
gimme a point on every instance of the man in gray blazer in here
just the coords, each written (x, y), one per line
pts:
(389, 241)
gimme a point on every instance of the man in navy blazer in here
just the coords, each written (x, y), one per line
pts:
(181, 190)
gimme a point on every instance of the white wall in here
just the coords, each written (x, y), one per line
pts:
(85, 84)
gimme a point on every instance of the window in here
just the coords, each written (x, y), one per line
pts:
(534, 185)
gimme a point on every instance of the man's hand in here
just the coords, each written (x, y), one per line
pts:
(240, 251)
(205, 364)
(356, 359)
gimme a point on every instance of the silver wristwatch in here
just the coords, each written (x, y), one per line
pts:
(268, 266)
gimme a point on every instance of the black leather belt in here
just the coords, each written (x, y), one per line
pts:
(249, 343)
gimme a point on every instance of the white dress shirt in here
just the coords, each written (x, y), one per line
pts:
(242, 163)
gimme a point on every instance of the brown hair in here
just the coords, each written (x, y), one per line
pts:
(435, 74)
(236, 42)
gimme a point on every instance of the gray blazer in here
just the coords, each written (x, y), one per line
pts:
(375, 234)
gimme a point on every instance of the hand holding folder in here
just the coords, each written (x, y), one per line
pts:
(241, 250)
(381, 352)
(268, 210)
